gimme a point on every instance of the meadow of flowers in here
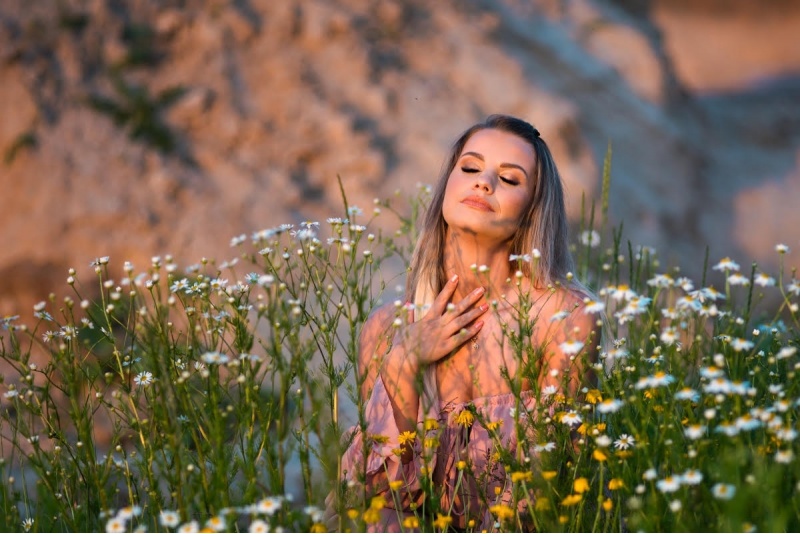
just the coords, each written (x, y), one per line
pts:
(210, 396)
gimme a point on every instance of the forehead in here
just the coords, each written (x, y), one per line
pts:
(502, 147)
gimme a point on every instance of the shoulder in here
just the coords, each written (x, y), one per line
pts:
(376, 329)
(560, 302)
(373, 343)
(380, 319)
(564, 308)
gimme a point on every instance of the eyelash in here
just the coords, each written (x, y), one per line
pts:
(471, 170)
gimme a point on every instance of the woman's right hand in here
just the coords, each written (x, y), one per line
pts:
(443, 329)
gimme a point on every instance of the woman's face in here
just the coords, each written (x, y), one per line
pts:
(491, 185)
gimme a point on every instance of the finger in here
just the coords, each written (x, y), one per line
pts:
(461, 321)
(462, 305)
(462, 336)
(444, 296)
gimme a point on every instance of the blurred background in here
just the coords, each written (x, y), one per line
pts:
(134, 128)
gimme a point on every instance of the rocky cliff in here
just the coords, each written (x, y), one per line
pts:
(132, 128)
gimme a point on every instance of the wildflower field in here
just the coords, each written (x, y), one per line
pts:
(211, 396)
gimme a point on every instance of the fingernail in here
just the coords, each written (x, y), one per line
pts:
(454, 278)
(479, 291)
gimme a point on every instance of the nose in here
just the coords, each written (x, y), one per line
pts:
(485, 182)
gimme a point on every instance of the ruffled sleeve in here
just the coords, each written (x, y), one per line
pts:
(382, 464)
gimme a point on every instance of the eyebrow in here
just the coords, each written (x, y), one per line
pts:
(502, 165)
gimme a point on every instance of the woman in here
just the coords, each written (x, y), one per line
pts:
(495, 310)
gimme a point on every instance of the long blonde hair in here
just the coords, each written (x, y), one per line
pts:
(543, 226)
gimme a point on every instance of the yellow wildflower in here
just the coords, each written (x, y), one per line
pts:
(397, 451)
(318, 527)
(406, 437)
(378, 438)
(497, 490)
(395, 485)
(431, 424)
(411, 522)
(378, 502)
(442, 521)
(599, 455)
(548, 475)
(465, 418)
(471, 523)
(493, 425)
(559, 398)
(502, 511)
(571, 500)
(648, 394)
(593, 396)
(371, 516)
(542, 504)
(352, 513)
(496, 456)
(615, 484)
(608, 504)
(624, 454)
(519, 476)
(563, 519)
(461, 465)
(581, 485)
(431, 443)
(591, 429)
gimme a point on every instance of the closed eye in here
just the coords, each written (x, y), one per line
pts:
(509, 181)
(469, 169)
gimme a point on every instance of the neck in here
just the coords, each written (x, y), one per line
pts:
(478, 264)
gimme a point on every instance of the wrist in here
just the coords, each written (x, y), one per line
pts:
(400, 363)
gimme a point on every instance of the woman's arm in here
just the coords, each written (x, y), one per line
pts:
(414, 344)
(378, 356)
(564, 367)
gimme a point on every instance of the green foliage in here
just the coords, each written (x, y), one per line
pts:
(134, 108)
(22, 141)
(74, 21)
(141, 42)
(209, 394)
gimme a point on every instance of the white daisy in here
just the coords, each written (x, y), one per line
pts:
(571, 347)
(145, 378)
(610, 406)
(694, 431)
(726, 264)
(624, 442)
(571, 418)
(168, 518)
(723, 492)
(692, 477)
(764, 280)
(671, 484)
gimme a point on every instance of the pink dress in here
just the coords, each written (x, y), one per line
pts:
(465, 493)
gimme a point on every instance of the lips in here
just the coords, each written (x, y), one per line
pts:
(478, 203)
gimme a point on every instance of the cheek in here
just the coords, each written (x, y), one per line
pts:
(449, 192)
(518, 204)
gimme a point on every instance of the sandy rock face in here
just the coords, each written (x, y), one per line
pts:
(169, 128)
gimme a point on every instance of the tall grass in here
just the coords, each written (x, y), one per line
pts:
(216, 395)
